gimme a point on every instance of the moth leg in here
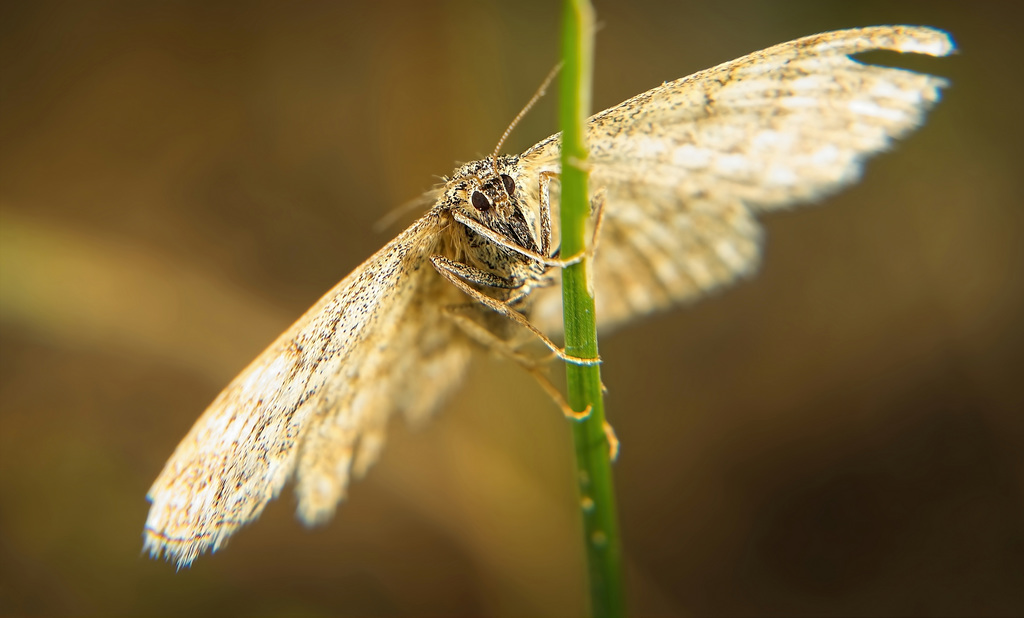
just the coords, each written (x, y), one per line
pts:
(580, 164)
(485, 337)
(613, 440)
(597, 203)
(545, 211)
(543, 282)
(474, 275)
(489, 340)
(458, 274)
(501, 241)
(597, 211)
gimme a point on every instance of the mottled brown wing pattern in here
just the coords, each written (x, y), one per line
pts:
(408, 364)
(683, 169)
(314, 403)
(687, 165)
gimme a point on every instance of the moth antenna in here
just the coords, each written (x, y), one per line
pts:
(417, 202)
(526, 108)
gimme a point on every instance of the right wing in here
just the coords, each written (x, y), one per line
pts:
(686, 165)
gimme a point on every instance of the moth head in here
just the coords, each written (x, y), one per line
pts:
(491, 193)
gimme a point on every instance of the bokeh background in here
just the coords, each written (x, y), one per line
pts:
(180, 180)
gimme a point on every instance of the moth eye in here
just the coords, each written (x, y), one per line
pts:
(480, 202)
(510, 185)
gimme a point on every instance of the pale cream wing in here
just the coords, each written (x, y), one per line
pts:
(314, 403)
(687, 165)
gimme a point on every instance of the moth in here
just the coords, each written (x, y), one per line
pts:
(682, 171)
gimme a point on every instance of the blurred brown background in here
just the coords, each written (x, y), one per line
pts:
(179, 181)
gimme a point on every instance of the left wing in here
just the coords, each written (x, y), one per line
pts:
(315, 402)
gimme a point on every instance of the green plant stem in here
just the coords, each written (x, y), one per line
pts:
(597, 494)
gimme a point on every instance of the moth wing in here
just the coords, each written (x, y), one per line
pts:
(315, 403)
(686, 166)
